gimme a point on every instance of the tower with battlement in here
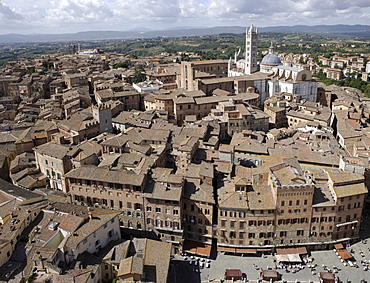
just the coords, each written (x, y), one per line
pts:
(103, 114)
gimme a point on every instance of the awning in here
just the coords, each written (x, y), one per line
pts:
(344, 254)
(226, 249)
(197, 248)
(346, 223)
(269, 274)
(300, 250)
(236, 250)
(264, 250)
(338, 246)
(288, 258)
(233, 274)
(245, 251)
(327, 277)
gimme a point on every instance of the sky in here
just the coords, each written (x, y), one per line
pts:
(70, 16)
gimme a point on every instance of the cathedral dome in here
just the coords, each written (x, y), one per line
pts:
(271, 60)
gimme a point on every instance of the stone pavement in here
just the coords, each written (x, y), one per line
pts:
(247, 265)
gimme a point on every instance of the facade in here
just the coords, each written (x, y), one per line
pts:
(293, 80)
(240, 116)
(147, 206)
(285, 207)
(190, 71)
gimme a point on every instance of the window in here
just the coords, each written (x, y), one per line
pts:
(148, 208)
(175, 212)
(223, 213)
(97, 243)
(290, 203)
(282, 233)
(223, 223)
(300, 232)
(158, 223)
(251, 235)
(176, 225)
(157, 209)
(110, 234)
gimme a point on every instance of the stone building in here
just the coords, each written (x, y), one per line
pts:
(286, 206)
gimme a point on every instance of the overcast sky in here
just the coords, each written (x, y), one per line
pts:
(69, 16)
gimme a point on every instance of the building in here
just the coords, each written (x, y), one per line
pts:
(286, 206)
(293, 80)
(247, 64)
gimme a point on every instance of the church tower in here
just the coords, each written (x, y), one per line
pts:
(251, 50)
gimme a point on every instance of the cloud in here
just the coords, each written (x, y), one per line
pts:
(77, 15)
(8, 14)
(78, 11)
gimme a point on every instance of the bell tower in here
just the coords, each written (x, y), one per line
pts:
(251, 50)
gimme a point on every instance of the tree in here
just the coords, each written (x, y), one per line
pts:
(122, 65)
(139, 75)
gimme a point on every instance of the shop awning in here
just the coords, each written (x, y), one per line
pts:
(226, 249)
(327, 277)
(245, 251)
(288, 258)
(233, 274)
(299, 250)
(344, 254)
(264, 250)
(338, 246)
(236, 250)
(269, 274)
(197, 248)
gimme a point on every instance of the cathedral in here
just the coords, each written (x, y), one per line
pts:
(271, 76)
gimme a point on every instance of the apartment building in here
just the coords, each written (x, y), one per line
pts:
(284, 205)
(191, 70)
(240, 116)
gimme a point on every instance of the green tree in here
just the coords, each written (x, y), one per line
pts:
(139, 75)
(122, 65)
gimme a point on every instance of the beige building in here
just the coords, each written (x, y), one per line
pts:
(190, 71)
(240, 116)
(74, 80)
(283, 206)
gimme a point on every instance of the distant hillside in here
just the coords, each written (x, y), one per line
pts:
(334, 30)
